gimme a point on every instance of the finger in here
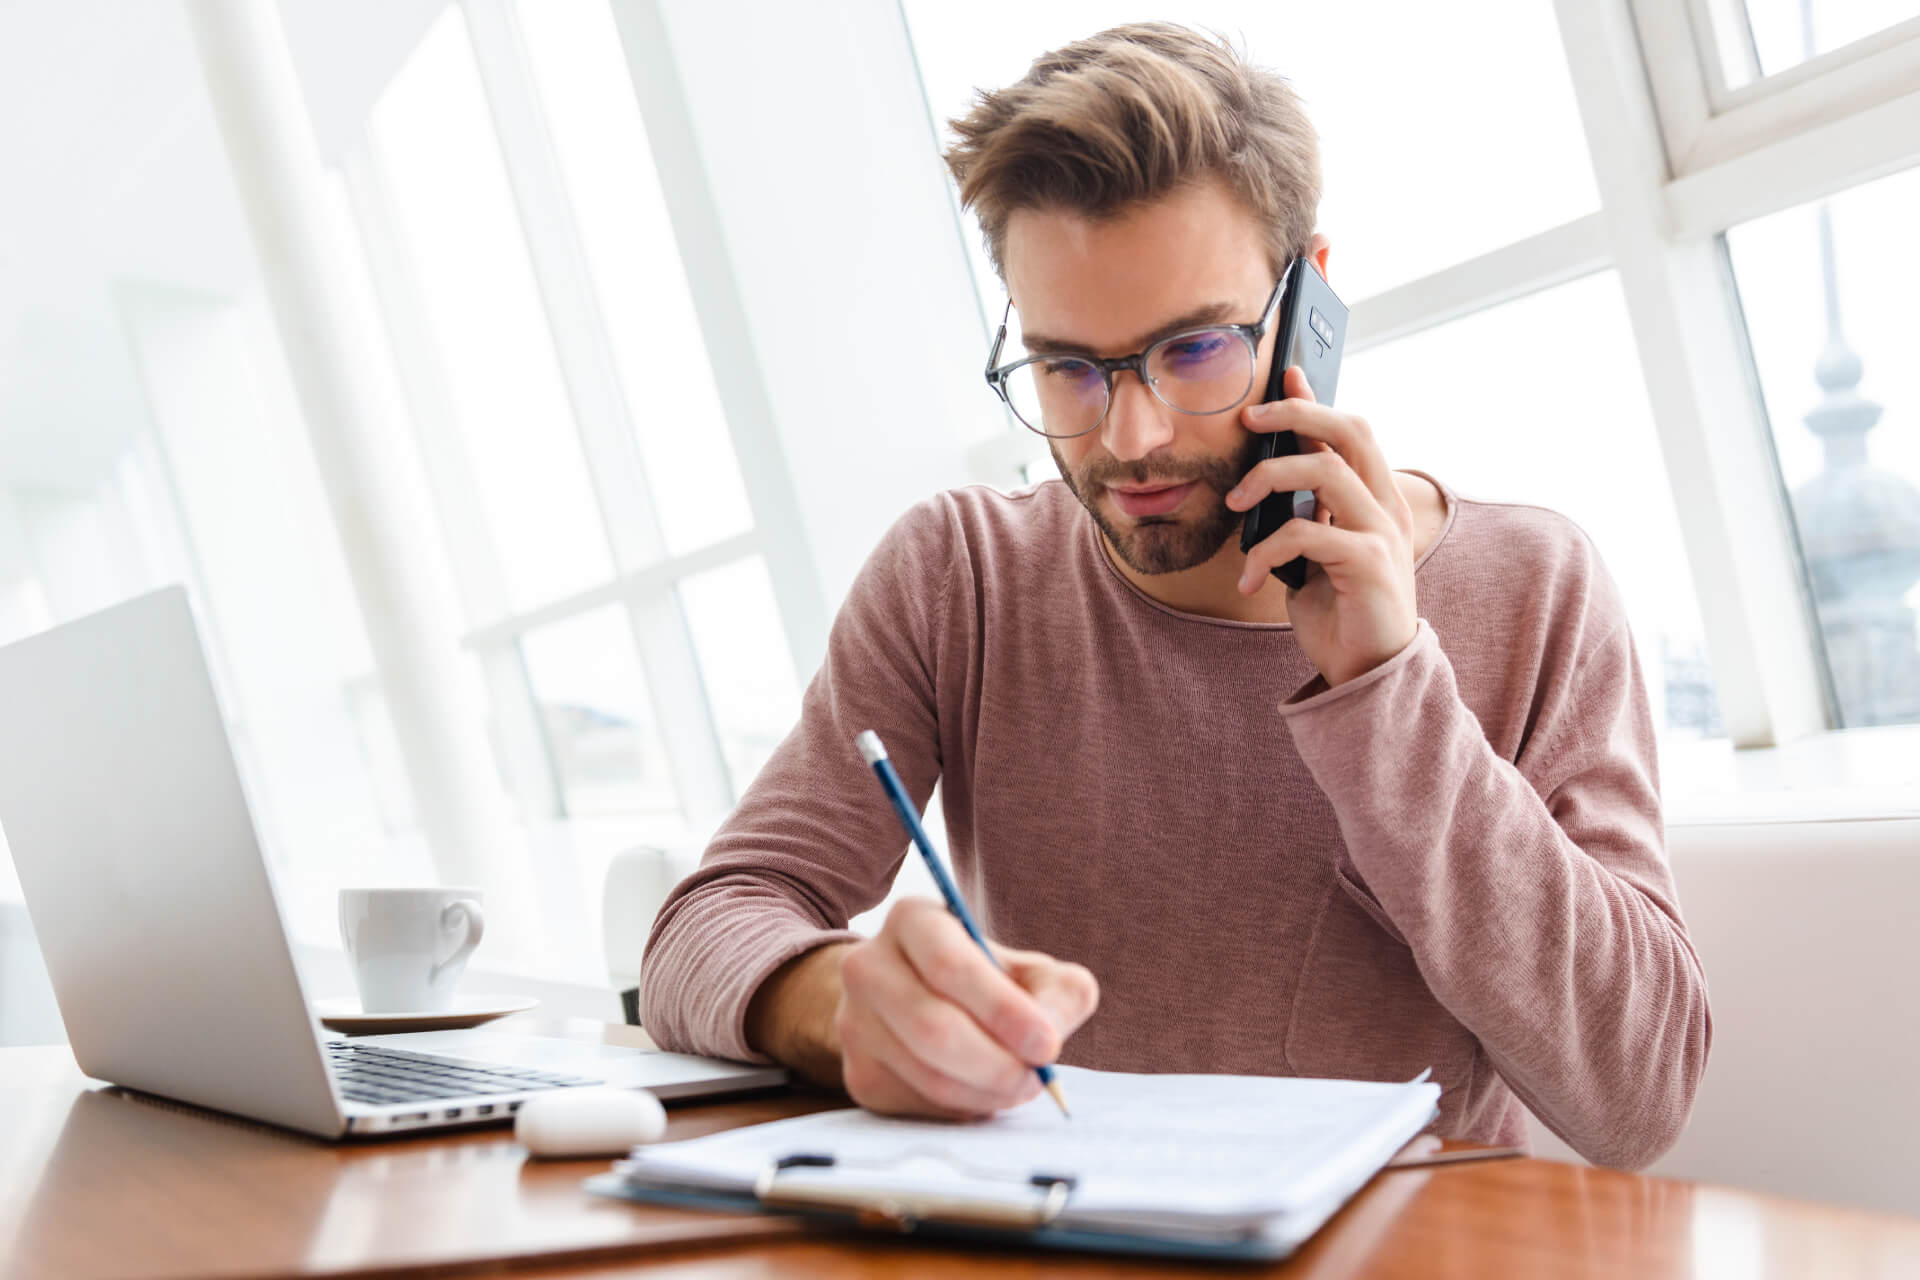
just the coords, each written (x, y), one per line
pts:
(1068, 992)
(883, 1074)
(953, 966)
(1294, 383)
(935, 1033)
(1339, 552)
(1335, 487)
(1347, 434)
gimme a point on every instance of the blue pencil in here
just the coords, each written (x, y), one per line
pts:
(876, 755)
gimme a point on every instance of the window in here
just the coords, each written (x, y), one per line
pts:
(226, 498)
(1758, 38)
(1827, 292)
(641, 287)
(743, 663)
(601, 733)
(1420, 133)
(1548, 425)
(628, 639)
(448, 193)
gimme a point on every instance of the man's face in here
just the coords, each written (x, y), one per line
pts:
(1154, 479)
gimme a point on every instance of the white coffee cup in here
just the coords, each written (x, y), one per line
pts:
(409, 946)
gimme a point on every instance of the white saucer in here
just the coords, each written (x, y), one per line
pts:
(342, 1013)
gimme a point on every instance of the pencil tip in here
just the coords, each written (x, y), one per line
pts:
(1060, 1097)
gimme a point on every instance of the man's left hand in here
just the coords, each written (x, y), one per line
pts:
(1356, 609)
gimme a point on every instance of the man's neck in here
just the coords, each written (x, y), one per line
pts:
(1212, 590)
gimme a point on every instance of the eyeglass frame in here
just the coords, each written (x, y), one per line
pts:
(1251, 334)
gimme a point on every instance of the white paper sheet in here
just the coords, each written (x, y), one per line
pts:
(1142, 1149)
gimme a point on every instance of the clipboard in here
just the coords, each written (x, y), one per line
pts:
(1229, 1167)
(890, 1206)
(1023, 1211)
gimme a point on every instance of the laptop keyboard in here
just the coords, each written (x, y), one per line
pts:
(367, 1073)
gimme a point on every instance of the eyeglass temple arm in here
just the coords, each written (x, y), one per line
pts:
(999, 340)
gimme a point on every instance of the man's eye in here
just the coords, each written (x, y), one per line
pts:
(1068, 370)
(1198, 349)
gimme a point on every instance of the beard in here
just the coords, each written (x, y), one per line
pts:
(1165, 544)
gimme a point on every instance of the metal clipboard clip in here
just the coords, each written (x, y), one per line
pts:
(877, 1204)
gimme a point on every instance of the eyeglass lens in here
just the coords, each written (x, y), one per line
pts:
(1207, 371)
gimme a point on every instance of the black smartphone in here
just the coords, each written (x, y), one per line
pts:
(1313, 325)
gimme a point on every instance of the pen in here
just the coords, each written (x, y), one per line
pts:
(876, 755)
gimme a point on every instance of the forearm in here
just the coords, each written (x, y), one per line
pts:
(720, 936)
(1549, 932)
(791, 1018)
(1580, 987)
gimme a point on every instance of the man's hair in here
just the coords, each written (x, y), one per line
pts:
(1131, 114)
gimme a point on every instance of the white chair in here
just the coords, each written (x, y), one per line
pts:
(1806, 930)
(638, 882)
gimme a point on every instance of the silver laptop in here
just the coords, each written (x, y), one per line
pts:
(157, 918)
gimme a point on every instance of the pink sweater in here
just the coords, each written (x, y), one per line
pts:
(1454, 861)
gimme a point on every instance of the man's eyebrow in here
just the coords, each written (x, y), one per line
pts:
(1211, 313)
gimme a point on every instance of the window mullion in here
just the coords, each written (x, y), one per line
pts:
(422, 378)
(601, 413)
(827, 345)
(1553, 257)
(1690, 339)
(518, 735)
(679, 700)
(628, 587)
(1675, 59)
(745, 397)
(1704, 123)
(1711, 18)
(1798, 168)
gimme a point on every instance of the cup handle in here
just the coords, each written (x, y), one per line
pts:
(476, 923)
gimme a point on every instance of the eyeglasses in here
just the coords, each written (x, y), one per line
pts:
(1204, 370)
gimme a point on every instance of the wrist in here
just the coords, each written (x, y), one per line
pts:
(1337, 673)
(791, 1016)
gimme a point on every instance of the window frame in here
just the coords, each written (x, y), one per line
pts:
(1705, 122)
(645, 575)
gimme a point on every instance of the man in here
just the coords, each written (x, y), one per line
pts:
(1403, 818)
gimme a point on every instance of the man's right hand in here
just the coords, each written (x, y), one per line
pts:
(926, 1026)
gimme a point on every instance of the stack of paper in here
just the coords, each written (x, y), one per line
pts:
(1199, 1160)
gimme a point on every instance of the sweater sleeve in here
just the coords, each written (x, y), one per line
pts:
(1534, 894)
(813, 842)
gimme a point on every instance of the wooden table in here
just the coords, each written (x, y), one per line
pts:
(99, 1182)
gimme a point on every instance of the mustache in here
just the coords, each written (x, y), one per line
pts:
(1218, 473)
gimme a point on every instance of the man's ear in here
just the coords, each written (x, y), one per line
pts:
(1322, 248)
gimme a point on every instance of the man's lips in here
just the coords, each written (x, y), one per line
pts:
(1155, 500)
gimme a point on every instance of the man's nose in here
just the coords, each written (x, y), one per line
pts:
(1137, 422)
